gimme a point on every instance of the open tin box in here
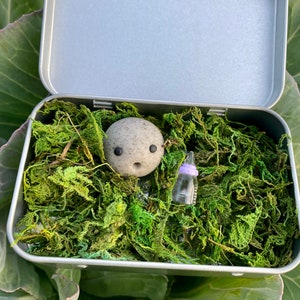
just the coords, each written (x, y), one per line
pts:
(162, 56)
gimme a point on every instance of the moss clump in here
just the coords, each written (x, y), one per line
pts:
(77, 206)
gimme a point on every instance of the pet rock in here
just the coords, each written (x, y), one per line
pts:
(134, 146)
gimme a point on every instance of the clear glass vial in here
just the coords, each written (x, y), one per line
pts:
(185, 188)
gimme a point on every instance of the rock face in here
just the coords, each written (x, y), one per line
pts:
(133, 146)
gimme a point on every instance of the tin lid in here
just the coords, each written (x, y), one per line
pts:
(212, 52)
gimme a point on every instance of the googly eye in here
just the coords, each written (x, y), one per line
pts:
(153, 148)
(118, 151)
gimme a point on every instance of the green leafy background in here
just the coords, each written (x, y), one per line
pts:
(20, 90)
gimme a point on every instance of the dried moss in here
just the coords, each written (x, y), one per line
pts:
(79, 207)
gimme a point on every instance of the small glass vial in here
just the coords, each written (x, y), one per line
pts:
(185, 188)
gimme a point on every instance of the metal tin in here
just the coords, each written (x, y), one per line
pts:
(222, 56)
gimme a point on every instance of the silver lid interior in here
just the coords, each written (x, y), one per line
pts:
(194, 51)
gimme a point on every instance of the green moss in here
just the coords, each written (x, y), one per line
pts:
(77, 206)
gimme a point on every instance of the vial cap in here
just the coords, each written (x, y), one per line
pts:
(188, 169)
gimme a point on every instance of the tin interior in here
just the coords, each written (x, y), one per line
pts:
(265, 119)
(212, 52)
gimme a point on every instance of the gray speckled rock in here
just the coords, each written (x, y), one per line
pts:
(133, 146)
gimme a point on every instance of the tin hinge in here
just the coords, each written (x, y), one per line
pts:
(102, 104)
(217, 111)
